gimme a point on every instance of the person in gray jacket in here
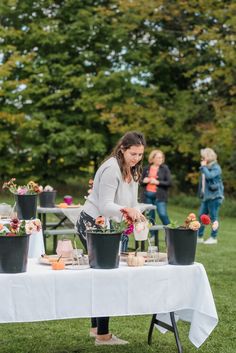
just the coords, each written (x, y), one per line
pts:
(115, 189)
(211, 192)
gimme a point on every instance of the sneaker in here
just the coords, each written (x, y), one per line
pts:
(200, 240)
(211, 241)
(111, 342)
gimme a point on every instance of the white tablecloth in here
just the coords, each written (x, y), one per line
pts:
(43, 294)
(36, 245)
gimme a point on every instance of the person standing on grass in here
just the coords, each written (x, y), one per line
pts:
(115, 190)
(211, 192)
(156, 179)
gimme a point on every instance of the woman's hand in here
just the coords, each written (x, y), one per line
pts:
(146, 180)
(132, 213)
(154, 181)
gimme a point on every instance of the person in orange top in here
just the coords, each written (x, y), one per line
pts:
(156, 179)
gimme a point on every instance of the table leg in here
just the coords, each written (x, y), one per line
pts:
(54, 244)
(172, 328)
(157, 240)
(44, 225)
(172, 317)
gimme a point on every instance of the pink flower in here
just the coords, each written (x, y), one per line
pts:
(21, 190)
(129, 230)
(215, 225)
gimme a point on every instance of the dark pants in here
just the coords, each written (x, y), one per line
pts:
(102, 323)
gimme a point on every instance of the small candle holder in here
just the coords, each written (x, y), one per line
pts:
(65, 248)
(68, 199)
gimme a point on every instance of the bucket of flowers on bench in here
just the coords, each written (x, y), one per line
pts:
(14, 244)
(25, 197)
(47, 197)
(181, 240)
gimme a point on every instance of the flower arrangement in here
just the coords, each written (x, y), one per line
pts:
(192, 223)
(19, 228)
(126, 226)
(31, 188)
(108, 226)
(48, 188)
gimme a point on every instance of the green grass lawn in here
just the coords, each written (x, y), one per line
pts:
(67, 336)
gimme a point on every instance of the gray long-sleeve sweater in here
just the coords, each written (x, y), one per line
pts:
(110, 192)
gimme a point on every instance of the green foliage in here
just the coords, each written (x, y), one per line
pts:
(173, 224)
(75, 75)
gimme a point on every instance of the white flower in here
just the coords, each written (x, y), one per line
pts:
(194, 225)
(215, 225)
(48, 188)
(30, 228)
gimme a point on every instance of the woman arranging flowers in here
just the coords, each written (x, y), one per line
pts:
(115, 190)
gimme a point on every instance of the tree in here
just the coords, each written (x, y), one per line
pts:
(77, 75)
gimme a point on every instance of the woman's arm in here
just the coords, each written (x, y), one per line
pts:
(212, 172)
(166, 181)
(108, 187)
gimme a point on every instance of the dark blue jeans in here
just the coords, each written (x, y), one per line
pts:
(211, 208)
(161, 206)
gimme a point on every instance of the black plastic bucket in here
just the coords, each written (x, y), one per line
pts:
(103, 250)
(181, 246)
(26, 206)
(14, 253)
(47, 198)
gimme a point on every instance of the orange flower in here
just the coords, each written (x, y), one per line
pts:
(100, 221)
(192, 216)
